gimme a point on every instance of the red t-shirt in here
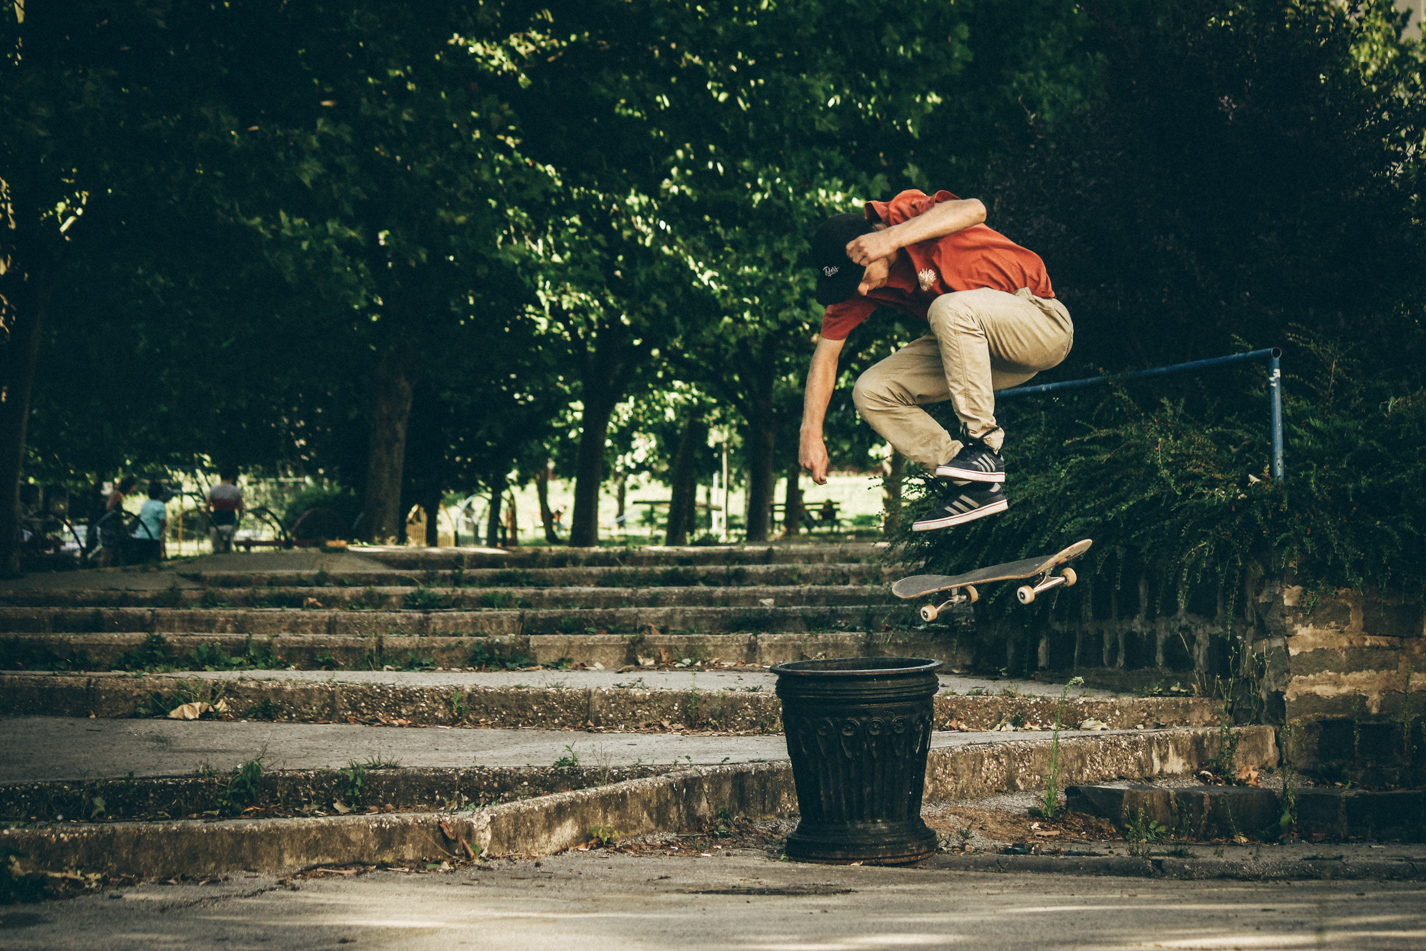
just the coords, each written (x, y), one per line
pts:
(967, 260)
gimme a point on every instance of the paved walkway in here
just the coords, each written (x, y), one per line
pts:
(726, 900)
(55, 748)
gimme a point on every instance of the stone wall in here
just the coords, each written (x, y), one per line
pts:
(1347, 671)
(1343, 673)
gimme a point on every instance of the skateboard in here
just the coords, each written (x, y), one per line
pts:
(962, 586)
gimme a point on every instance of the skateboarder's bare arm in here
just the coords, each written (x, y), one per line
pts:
(946, 218)
(821, 381)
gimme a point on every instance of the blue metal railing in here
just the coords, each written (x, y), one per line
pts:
(1272, 355)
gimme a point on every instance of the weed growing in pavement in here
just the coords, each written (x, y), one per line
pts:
(242, 788)
(380, 762)
(213, 598)
(158, 703)
(369, 600)
(1287, 823)
(1050, 801)
(498, 657)
(264, 709)
(321, 579)
(459, 706)
(570, 758)
(152, 654)
(1142, 833)
(426, 599)
(604, 835)
(355, 775)
(498, 600)
(215, 657)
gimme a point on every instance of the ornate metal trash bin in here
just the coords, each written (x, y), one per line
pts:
(858, 731)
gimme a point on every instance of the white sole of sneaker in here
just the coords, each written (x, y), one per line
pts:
(968, 475)
(932, 524)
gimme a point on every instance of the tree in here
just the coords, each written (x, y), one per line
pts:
(392, 175)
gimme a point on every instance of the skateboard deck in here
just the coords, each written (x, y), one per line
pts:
(962, 586)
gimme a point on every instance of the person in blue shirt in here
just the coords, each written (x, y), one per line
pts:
(153, 519)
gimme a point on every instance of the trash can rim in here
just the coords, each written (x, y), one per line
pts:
(873, 666)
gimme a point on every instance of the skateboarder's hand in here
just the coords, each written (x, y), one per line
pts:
(812, 456)
(866, 248)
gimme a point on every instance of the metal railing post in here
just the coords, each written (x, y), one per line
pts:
(1275, 396)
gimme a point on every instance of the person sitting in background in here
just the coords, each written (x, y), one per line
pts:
(147, 543)
(111, 526)
(225, 509)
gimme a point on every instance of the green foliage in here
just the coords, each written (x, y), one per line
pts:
(498, 656)
(1050, 800)
(242, 787)
(570, 757)
(153, 654)
(158, 703)
(342, 509)
(426, 599)
(1177, 488)
(1142, 833)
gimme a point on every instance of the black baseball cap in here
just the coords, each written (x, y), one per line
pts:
(837, 277)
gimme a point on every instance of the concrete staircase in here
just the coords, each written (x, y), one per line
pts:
(406, 704)
(443, 608)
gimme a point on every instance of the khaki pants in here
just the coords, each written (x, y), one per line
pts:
(980, 341)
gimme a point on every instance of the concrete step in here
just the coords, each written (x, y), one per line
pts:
(580, 575)
(376, 649)
(738, 699)
(23, 607)
(629, 621)
(683, 800)
(562, 557)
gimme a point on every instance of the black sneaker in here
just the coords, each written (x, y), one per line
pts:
(970, 502)
(976, 462)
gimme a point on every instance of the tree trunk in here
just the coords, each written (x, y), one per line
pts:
(27, 295)
(620, 496)
(762, 440)
(493, 521)
(683, 504)
(386, 454)
(432, 506)
(547, 515)
(589, 469)
(512, 521)
(792, 502)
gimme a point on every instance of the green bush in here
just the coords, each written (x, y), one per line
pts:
(1178, 487)
(344, 505)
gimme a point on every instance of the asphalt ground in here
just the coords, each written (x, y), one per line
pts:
(722, 898)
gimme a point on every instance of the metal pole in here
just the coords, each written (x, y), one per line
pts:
(1138, 375)
(725, 489)
(1272, 354)
(1275, 396)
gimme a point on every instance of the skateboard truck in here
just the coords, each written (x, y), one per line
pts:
(966, 595)
(1026, 592)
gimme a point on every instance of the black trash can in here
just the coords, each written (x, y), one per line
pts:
(858, 731)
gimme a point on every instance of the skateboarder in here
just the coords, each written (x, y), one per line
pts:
(993, 322)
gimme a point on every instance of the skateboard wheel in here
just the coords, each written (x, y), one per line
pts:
(1069, 576)
(972, 595)
(1025, 593)
(928, 612)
